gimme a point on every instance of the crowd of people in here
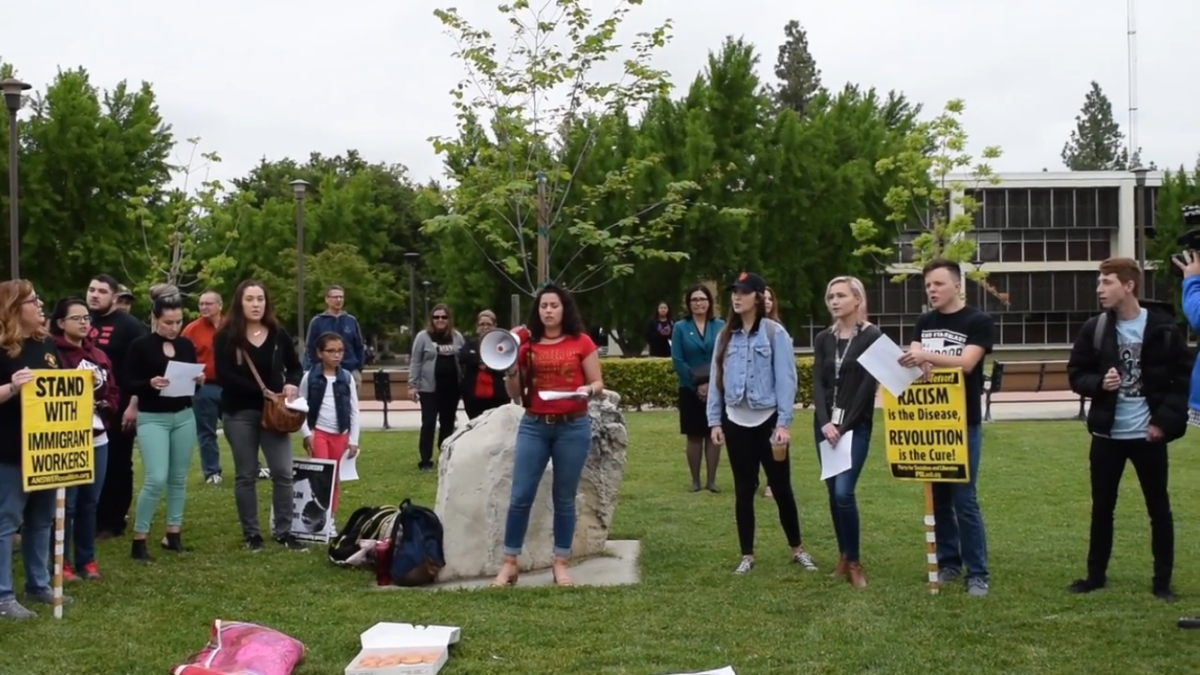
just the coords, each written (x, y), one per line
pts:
(737, 384)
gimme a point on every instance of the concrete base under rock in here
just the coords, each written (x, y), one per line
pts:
(618, 566)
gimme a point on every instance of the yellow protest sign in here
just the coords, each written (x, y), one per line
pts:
(926, 429)
(56, 430)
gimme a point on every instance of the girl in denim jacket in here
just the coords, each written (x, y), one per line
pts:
(751, 407)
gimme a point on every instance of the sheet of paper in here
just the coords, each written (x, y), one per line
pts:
(727, 670)
(297, 404)
(836, 459)
(882, 361)
(348, 469)
(559, 395)
(182, 377)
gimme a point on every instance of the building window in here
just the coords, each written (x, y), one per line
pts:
(1018, 208)
(1108, 208)
(1064, 207)
(1040, 214)
(1086, 200)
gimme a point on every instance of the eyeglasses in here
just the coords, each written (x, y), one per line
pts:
(35, 300)
(335, 352)
(702, 299)
(81, 318)
(485, 325)
(440, 317)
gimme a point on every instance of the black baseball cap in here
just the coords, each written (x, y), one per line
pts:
(124, 292)
(748, 282)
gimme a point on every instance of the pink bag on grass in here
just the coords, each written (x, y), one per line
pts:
(237, 648)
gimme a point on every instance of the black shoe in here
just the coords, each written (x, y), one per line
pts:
(1085, 586)
(713, 488)
(290, 543)
(173, 542)
(139, 552)
(1165, 594)
(254, 543)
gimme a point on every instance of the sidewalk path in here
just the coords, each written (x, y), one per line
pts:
(1051, 405)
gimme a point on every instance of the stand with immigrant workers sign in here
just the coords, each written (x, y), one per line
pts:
(56, 446)
(925, 429)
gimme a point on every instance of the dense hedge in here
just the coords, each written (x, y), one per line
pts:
(643, 382)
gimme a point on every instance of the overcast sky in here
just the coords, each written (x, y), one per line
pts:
(257, 78)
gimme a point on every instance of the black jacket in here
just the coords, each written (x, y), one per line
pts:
(1166, 365)
(856, 395)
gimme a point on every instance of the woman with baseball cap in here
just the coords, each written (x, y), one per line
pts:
(751, 408)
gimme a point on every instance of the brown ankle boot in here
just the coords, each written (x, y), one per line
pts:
(839, 570)
(855, 575)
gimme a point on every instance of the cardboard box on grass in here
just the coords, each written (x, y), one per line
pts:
(403, 649)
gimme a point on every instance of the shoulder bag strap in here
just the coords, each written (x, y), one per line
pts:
(1101, 325)
(242, 355)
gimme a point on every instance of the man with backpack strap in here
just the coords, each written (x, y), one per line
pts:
(1134, 364)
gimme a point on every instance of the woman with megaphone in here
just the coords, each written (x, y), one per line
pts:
(557, 370)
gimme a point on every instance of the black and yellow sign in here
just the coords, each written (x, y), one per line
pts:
(926, 429)
(56, 429)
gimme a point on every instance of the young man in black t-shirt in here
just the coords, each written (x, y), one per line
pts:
(953, 335)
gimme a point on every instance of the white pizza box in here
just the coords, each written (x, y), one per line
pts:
(727, 670)
(403, 649)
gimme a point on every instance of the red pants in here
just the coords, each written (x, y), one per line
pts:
(331, 446)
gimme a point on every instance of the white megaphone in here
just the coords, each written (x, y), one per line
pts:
(498, 349)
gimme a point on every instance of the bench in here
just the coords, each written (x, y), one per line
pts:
(1027, 377)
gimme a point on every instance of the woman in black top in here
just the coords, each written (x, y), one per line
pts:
(658, 332)
(844, 402)
(482, 387)
(166, 427)
(434, 378)
(249, 340)
(24, 347)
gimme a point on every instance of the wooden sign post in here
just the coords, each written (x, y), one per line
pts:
(56, 447)
(926, 438)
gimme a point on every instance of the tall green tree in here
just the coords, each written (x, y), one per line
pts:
(929, 201)
(84, 152)
(799, 77)
(538, 114)
(1096, 142)
(1179, 188)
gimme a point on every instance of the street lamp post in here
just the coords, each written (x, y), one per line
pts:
(13, 90)
(426, 284)
(411, 258)
(1139, 221)
(299, 186)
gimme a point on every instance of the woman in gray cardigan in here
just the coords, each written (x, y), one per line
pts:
(433, 380)
(844, 402)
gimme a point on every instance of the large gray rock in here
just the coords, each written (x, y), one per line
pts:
(475, 482)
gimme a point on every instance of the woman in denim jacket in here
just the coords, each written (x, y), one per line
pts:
(751, 405)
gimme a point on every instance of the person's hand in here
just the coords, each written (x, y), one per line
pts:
(782, 436)
(1112, 380)
(291, 392)
(1190, 265)
(159, 382)
(926, 369)
(414, 395)
(308, 445)
(831, 433)
(352, 451)
(718, 436)
(200, 379)
(129, 419)
(702, 392)
(913, 358)
(1154, 434)
(22, 377)
(586, 390)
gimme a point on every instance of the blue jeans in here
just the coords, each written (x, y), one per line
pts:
(80, 528)
(958, 523)
(36, 511)
(206, 405)
(566, 444)
(843, 507)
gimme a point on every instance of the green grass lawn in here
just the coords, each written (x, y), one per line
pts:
(689, 613)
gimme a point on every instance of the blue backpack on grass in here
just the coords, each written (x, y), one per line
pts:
(417, 553)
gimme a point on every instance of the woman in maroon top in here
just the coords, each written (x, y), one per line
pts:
(557, 370)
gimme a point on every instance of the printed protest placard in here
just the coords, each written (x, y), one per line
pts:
(312, 499)
(56, 430)
(926, 429)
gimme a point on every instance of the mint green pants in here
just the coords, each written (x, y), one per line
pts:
(166, 441)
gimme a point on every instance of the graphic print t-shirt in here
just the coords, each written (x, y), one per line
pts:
(558, 367)
(950, 334)
(35, 355)
(445, 369)
(1132, 414)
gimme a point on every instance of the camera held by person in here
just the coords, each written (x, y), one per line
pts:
(1190, 243)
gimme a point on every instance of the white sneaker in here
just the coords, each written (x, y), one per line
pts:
(214, 479)
(264, 473)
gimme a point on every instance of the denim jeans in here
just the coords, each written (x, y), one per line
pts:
(80, 528)
(166, 441)
(206, 405)
(244, 432)
(566, 444)
(958, 521)
(843, 507)
(35, 510)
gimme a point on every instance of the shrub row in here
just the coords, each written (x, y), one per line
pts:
(651, 382)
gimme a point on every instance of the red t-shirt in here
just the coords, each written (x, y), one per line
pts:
(557, 367)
